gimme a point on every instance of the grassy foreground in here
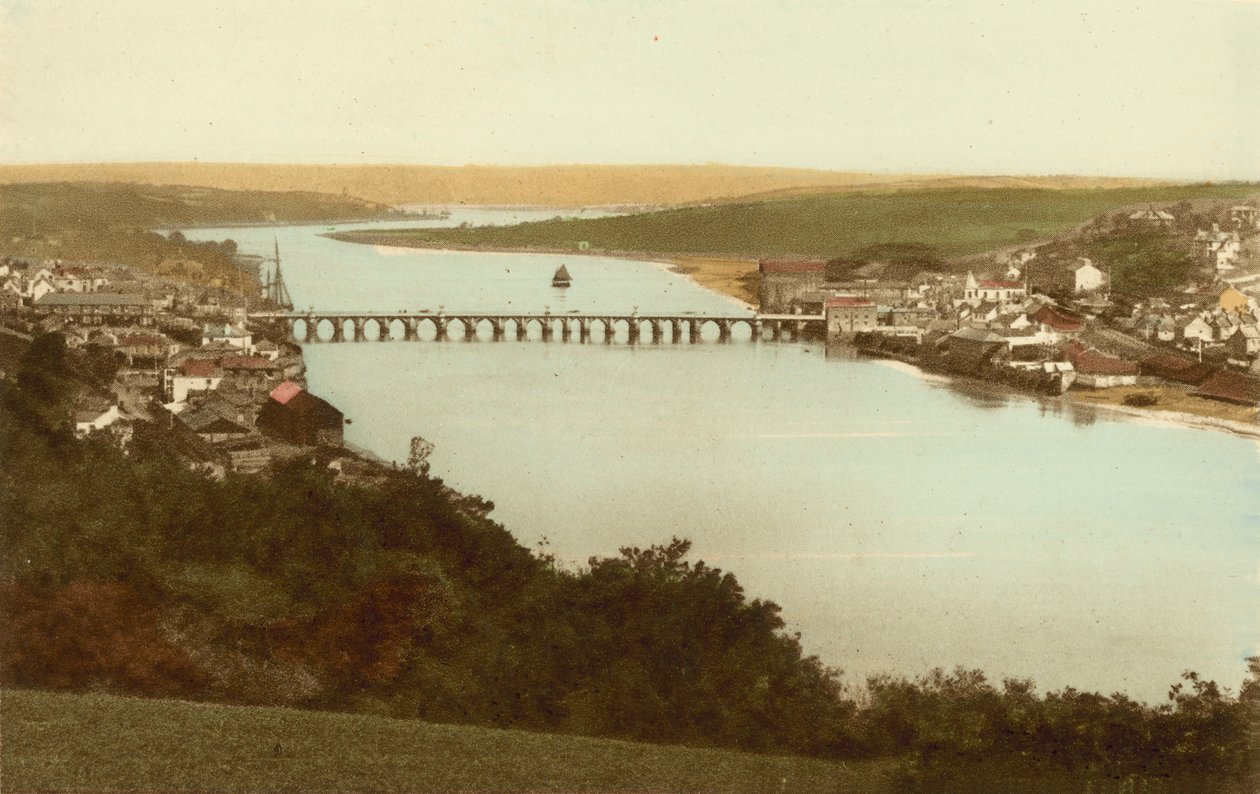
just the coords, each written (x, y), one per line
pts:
(955, 222)
(66, 742)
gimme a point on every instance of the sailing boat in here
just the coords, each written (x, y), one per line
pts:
(561, 278)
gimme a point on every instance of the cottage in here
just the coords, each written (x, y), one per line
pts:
(784, 281)
(1245, 344)
(94, 415)
(296, 416)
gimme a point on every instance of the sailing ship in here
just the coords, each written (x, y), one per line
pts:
(274, 288)
(561, 278)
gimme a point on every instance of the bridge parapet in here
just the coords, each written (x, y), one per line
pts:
(681, 326)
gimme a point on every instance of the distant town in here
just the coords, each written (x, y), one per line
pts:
(1047, 319)
(1042, 319)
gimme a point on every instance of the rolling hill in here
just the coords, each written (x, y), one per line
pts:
(555, 185)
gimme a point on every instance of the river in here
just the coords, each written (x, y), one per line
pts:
(901, 522)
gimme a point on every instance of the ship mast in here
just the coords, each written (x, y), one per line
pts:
(277, 292)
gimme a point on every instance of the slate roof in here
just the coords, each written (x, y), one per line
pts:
(91, 299)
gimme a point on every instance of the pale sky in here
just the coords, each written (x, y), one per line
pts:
(1166, 89)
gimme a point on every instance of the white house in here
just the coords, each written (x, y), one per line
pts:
(1219, 247)
(1198, 328)
(227, 334)
(38, 288)
(193, 375)
(94, 418)
(1087, 277)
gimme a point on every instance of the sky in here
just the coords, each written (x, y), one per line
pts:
(1164, 89)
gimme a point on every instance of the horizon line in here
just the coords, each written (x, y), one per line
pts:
(554, 165)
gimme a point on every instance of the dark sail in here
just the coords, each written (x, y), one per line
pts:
(561, 278)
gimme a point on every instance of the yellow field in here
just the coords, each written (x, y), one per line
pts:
(559, 185)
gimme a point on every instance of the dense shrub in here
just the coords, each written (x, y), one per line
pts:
(146, 576)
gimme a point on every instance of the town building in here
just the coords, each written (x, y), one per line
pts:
(95, 415)
(193, 375)
(226, 334)
(848, 314)
(1097, 370)
(1219, 248)
(97, 308)
(1245, 216)
(785, 281)
(1086, 276)
(295, 416)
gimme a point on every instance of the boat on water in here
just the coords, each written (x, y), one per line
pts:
(562, 277)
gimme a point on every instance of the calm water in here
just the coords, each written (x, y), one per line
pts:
(900, 522)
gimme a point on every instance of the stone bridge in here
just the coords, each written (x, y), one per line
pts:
(658, 328)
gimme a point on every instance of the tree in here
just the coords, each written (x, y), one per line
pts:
(418, 458)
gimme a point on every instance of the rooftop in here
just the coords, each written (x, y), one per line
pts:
(91, 299)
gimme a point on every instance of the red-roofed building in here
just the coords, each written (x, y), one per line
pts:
(1231, 387)
(193, 375)
(1058, 321)
(285, 391)
(1097, 370)
(785, 281)
(1000, 292)
(848, 314)
(1177, 368)
(299, 417)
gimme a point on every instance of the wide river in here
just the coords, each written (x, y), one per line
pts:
(901, 522)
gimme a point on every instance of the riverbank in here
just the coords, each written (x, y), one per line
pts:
(1174, 406)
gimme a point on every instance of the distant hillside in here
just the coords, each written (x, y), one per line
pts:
(56, 207)
(559, 185)
(60, 742)
(110, 222)
(952, 222)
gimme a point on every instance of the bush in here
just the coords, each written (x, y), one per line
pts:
(1141, 400)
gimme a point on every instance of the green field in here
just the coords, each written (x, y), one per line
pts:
(63, 742)
(955, 221)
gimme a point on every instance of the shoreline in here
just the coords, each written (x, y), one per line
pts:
(678, 264)
(1179, 419)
